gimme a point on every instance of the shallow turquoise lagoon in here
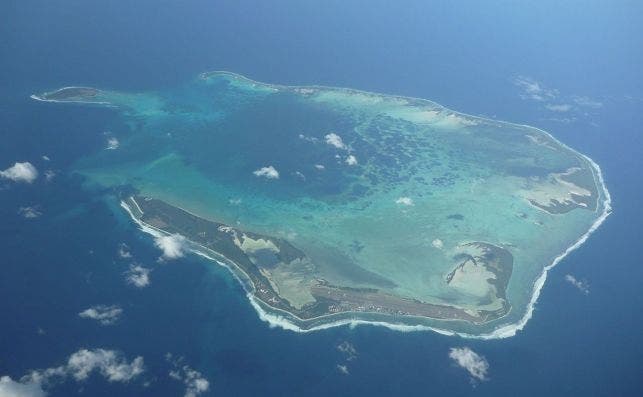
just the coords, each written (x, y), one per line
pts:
(380, 192)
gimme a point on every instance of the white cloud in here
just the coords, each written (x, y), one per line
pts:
(46, 158)
(80, 365)
(532, 89)
(105, 315)
(49, 175)
(300, 175)
(574, 106)
(476, 365)
(12, 388)
(173, 246)
(343, 369)
(437, 243)
(558, 107)
(453, 120)
(308, 138)
(109, 363)
(404, 201)
(351, 160)
(29, 212)
(320, 167)
(112, 144)
(580, 284)
(195, 382)
(587, 102)
(564, 120)
(348, 350)
(335, 140)
(138, 276)
(123, 251)
(20, 172)
(268, 172)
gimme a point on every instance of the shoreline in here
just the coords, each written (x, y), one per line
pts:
(39, 98)
(157, 232)
(504, 330)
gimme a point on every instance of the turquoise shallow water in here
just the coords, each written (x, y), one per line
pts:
(463, 55)
(379, 191)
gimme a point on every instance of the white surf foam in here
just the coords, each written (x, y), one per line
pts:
(504, 331)
(279, 321)
(41, 99)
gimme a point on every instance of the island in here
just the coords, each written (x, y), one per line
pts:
(336, 206)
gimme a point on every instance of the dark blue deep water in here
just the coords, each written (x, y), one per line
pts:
(588, 55)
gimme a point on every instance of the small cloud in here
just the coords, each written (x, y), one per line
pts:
(582, 285)
(123, 251)
(12, 388)
(343, 369)
(138, 276)
(534, 90)
(112, 144)
(335, 140)
(348, 350)
(30, 212)
(46, 158)
(105, 315)
(437, 243)
(454, 120)
(108, 362)
(575, 106)
(300, 175)
(404, 201)
(351, 160)
(80, 365)
(558, 107)
(564, 120)
(308, 138)
(476, 365)
(173, 246)
(194, 381)
(320, 167)
(235, 201)
(268, 172)
(20, 172)
(587, 102)
(49, 175)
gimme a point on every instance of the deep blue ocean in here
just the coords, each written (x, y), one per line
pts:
(470, 56)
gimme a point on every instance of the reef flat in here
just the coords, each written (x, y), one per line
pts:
(334, 205)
